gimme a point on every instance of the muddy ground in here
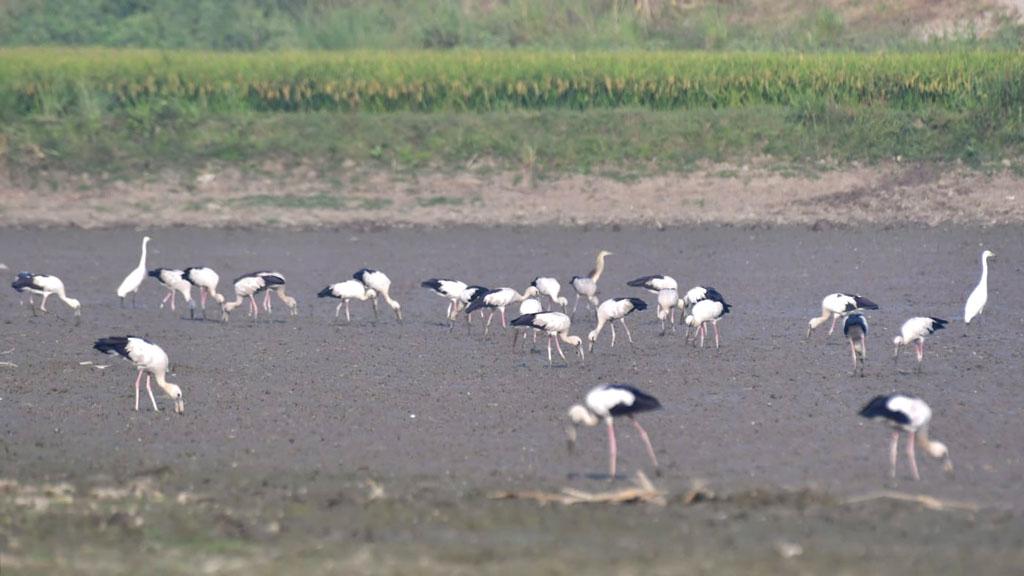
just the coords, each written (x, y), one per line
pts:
(372, 448)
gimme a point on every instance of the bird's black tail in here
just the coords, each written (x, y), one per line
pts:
(938, 324)
(476, 303)
(638, 304)
(326, 292)
(113, 345)
(864, 303)
(640, 282)
(432, 284)
(155, 272)
(524, 320)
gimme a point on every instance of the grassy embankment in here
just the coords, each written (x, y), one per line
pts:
(123, 112)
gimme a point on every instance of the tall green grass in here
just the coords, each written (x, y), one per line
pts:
(56, 81)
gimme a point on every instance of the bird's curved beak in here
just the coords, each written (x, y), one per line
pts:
(179, 406)
(398, 314)
(570, 434)
(580, 350)
(947, 465)
(896, 353)
(590, 346)
(809, 329)
(78, 316)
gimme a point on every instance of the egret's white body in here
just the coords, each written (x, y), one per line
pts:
(132, 282)
(979, 296)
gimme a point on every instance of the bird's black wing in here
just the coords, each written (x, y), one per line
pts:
(326, 292)
(862, 302)
(642, 401)
(637, 303)
(363, 272)
(643, 281)
(478, 301)
(878, 407)
(938, 323)
(525, 320)
(113, 345)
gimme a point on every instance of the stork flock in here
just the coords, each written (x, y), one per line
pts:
(698, 307)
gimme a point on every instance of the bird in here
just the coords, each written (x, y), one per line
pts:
(527, 306)
(206, 279)
(979, 296)
(465, 298)
(148, 358)
(694, 295)
(248, 285)
(703, 312)
(550, 287)
(607, 402)
(855, 328)
(654, 283)
(174, 280)
(914, 332)
(346, 291)
(912, 415)
(838, 305)
(586, 286)
(446, 288)
(134, 279)
(380, 284)
(668, 300)
(611, 310)
(496, 299)
(45, 285)
(276, 286)
(556, 325)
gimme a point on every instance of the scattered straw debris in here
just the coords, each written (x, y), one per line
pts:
(929, 502)
(642, 491)
(8, 364)
(789, 549)
(376, 490)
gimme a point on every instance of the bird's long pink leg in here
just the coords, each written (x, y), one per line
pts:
(853, 354)
(612, 325)
(348, 316)
(574, 305)
(893, 453)
(150, 390)
(714, 324)
(703, 331)
(863, 346)
(255, 309)
(138, 379)
(559, 346)
(920, 351)
(268, 305)
(487, 326)
(913, 459)
(550, 361)
(202, 297)
(832, 329)
(504, 324)
(164, 301)
(626, 328)
(647, 442)
(612, 451)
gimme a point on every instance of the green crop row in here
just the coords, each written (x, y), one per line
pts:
(56, 80)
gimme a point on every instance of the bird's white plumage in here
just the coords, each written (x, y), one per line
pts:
(147, 355)
(602, 399)
(694, 295)
(377, 280)
(530, 306)
(501, 297)
(547, 286)
(352, 289)
(552, 322)
(915, 409)
(979, 296)
(705, 311)
(668, 298)
(450, 288)
(657, 283)
(615, 308)
(916, 328)
(174, 279)
(839, 303)
(134, 279)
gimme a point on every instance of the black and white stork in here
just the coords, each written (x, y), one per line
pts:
(346, 291)
(550, 287)
(380, 283)
(556, 325)
(45, 285)
(912, 415)
(611, 310)
(607, 402)
(450, 289)
(174, 281)
(837, 306)
(249, 285)
(586, 286)
(704, 312)
(496, 299)
(206, 279)
(914, 332)
(855, 328)
(654, 283)
(148, 358)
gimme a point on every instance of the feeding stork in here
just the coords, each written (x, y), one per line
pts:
(914, 332)
(550, 287)
(855, 328)
(174, 280)
(556, 325)
(249, 285)
(611, 310)
(148, 358)
(496, 299)
(979, 296)
(607, 402)
(380, 284)
(586, 286)
(276, 284)
(45, 285)
(206, 279)
(467, 296)
(654, 283)
(694, 295)
(837, 306)
(668, 301)
(527, 306)
(345, 291)
(134, 279)
(912, 415)
(450, 289)
(701, 314)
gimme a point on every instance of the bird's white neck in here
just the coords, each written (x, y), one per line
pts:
(595, 274)
(984, 271)
(142, 258)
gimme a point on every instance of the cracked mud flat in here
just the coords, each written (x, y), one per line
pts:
(299, 449)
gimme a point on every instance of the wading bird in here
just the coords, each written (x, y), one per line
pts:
(496, 299)
(668, 300)
(611, 310)
(550, 287)
(45, 285)
(345, 291)
(912, 415)
(276, 285)
(855, 328)
(654, 283)
(450, 289)
(837, 306)
(380, 284)
(607, 402)
(206, 280)
(586, 286)
(979, 296)
(148, 358)
(134, 279)
(694, 295)
(556, 325)
(174, 280)
(914, 332)
(701, 314)
(527, 306)
(249, 285)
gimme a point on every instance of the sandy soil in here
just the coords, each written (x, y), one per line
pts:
(887, 194)
(287, 421)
